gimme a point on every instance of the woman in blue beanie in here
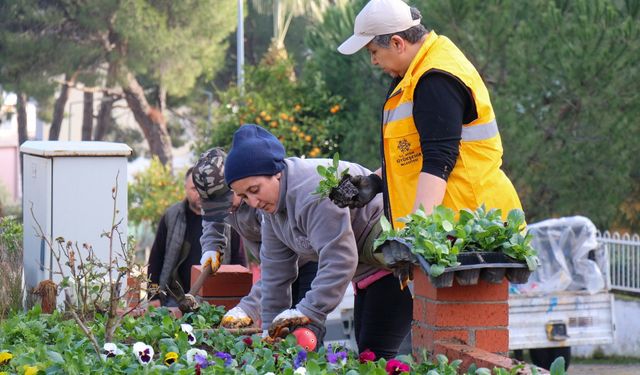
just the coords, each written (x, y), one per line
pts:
(300, 225)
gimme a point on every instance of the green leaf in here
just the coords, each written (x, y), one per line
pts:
(385, 224)
(447, 226)
(557, 367)
(55, 356)
(436, 270)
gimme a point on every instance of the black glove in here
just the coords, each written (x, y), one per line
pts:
(356, 191)
(398, 256)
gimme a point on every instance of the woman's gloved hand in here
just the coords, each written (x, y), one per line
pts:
(286, 322)
(236, 318)
(367, 186)
(212, 257)
(398, 256)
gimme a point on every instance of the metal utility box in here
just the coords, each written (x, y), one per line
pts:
(68, 193)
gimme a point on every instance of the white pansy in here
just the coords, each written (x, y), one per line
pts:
(300, 371)
(111, 350)
(188, 329)
(143, 352)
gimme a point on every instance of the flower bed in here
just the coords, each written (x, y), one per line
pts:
(159, 343)
(36, 343)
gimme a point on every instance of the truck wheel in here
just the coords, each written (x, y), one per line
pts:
(544, 357)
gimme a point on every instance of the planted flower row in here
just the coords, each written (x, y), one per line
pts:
(36, 343)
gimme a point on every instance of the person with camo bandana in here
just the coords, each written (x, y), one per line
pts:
(176, 247)
(219, 207)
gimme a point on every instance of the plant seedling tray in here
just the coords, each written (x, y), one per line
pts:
(491, 267)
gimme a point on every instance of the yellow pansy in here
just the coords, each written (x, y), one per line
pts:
(170, 358)
(5, 357)
(30, 370)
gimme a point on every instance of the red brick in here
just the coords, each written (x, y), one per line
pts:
(421, 338)
(493, 340)
(455, 335)
(481, 358)
(227, 302)
(468, 314)
(230, 281)
(421, 282)
(482, 291)
(419, 309)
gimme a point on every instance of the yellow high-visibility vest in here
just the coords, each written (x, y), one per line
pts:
(476, 178)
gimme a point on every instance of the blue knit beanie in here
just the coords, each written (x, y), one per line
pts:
(254, 152)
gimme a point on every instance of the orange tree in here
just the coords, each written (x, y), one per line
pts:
(307, 119)
(152, 192)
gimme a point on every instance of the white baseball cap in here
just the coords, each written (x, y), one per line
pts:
(378, 17)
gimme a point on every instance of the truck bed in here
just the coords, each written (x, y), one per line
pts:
(588, 317)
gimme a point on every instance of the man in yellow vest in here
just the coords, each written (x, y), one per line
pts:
(440, 139)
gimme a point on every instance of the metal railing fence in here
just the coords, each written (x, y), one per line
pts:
(624, 260)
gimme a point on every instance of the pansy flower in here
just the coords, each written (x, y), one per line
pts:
(143, 352)
(337, 357)
(170, 358)
(367, 356)
(396, 367)
(5, 357)
(226, 357)
(247, 341)
(201, 360)
(111, 350)
(300, 359)
(191, 354)
(188, 329)
(300, 371)
(30, 370)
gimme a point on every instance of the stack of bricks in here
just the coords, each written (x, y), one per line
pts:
(226, 287)
(475, 315)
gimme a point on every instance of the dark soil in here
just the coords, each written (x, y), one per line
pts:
(344, 192)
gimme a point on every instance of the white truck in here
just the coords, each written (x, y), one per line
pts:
(566, 301)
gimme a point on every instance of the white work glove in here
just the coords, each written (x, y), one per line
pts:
(286, 321)
(236, 318)
(212, 257)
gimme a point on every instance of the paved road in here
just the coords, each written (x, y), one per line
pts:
(591, 369)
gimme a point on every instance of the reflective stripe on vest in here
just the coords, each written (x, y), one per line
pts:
(469, 133)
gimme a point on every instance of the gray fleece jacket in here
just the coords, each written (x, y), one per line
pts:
(309, 227)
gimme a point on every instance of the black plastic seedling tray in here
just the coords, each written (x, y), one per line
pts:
(491, 267)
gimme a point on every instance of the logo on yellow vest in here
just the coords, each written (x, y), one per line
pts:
(404, 145)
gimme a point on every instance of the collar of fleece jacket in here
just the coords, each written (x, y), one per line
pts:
(283, 189)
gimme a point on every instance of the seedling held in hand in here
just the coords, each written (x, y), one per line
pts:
(334, 182)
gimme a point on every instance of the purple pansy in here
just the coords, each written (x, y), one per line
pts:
(226, 357)
(300, 358)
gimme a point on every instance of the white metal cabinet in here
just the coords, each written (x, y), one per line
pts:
(68, 191)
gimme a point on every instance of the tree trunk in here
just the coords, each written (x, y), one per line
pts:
(87, 116)
(104, 117)
(106, 104)
(150, 119)
(58, 111)
(21, 106)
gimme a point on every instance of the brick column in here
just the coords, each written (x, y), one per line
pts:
(475, 315)
(226, 287)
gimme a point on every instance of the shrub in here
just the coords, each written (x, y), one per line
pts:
(11, 263)
(152, 192)
(301, 113)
